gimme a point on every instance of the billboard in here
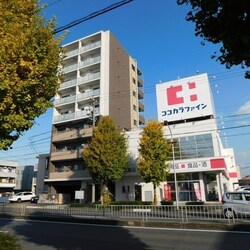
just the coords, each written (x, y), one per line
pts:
(184, 99)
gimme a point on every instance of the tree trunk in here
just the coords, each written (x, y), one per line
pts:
(155, 196)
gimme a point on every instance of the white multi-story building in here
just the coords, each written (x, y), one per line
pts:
(8, 175)
(100, 79)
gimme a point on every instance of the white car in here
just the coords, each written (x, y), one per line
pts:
(22, 196)
(243, 188)
(236, 204)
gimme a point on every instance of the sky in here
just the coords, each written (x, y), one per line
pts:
(157, 35)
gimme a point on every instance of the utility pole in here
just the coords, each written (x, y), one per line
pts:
(93, 126)
(93, 111)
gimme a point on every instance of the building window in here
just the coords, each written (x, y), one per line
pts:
(134, 93)
(134, 107)
(135, 122)
(133, 79)
(133, 67)
(125, 189)
(197, 146)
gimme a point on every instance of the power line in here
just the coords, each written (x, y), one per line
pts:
(92, 15)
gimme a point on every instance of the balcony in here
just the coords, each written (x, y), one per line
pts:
(7, 185)
(65, 100)
(70, 67)
(88, 78)
(66, 155)
(140, 94)
(85, 113)
(90, 46)
(64, 117)
(140, 81)
(68, 84)
(4, 174)
(88, 94)
(141, 120)
(72, 53)
(69, 175)
(72, 134)
(141, 107)
(89, 61)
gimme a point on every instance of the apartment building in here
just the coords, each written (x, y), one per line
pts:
(8, 175)
(100, 79)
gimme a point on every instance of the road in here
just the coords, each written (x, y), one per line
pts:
(40, 235)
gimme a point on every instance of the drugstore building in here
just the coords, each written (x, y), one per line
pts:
(201, 169)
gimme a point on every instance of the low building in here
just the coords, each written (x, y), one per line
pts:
(201, 169)
(8, 176)
(24, 178)
(40, 184)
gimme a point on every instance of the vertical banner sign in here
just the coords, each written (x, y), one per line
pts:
(167, 192)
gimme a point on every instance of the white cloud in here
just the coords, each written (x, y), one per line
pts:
(244, 109)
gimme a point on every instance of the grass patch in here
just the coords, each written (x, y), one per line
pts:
(9, 242)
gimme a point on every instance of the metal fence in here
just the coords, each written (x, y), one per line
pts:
(184, 213)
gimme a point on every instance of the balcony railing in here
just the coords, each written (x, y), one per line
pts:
(88, 94)
(8, 174)
(141, 120)
(89, 77)
(64, 117)
(7, 185)
(80, 174)
(72, 134)
(90, 46)
(70, 68)
(140, 81)
(72, 53)
(84, 113)
(65, 100)
(140, 94)
(66, 155)
(89, 61)
(68, 84)
(141, 107)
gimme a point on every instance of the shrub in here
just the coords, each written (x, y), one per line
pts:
(167, 202)
(9, 242)
(194, 203)
(132, 203)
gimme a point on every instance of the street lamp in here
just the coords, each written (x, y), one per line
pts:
(175, 179)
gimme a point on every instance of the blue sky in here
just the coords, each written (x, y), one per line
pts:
(157, 35)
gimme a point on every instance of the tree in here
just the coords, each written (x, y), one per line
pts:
(154, 151)
(29, 59)
(106, 156)
(226, 22)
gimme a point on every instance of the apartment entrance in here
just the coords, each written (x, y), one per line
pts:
(138, 192)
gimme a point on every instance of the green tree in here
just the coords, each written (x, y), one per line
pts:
(29, 59)
(224, 22)
(154, 152)
(106, 156)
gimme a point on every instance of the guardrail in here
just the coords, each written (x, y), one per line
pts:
(184, 214)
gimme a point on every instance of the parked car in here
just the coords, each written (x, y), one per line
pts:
(243, 188)
(236, 204)
(22, 196)
(35, 199)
